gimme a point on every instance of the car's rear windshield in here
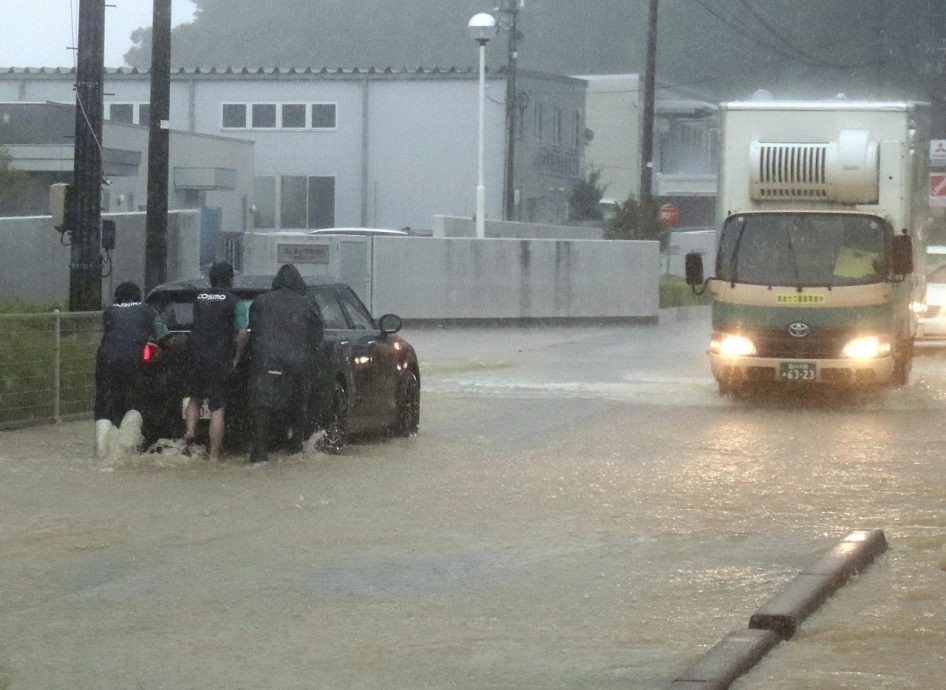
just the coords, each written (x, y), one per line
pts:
(340, 309)
(176, 308)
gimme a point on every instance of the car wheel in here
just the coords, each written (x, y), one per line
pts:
(337, 423)
(408, 406)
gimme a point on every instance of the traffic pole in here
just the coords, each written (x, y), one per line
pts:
(84, 213)
(647, 124)
(156, 242)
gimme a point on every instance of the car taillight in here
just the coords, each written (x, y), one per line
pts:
(150, 352)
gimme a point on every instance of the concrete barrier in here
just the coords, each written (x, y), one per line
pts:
(727, 660)
(784, 612)
(780, 616)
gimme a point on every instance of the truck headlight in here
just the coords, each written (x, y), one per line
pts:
(866, 347)
(732, 346)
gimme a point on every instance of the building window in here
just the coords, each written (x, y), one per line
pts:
(323, 116)
(293, 115)
(293, 202)
(264, 202)
(557, 126)
(321, 202)
(576, 130)
(122, 112)
(306, 202)
(234, 115)
(540, 122)
(264, 116)
(128, 113)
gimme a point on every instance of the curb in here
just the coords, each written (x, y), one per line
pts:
(688, 313)
(784, 612)
(727, 660)
(780, 616)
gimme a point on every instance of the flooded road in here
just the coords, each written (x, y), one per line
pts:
(580, 509)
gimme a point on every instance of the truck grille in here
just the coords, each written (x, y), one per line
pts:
(820, 343)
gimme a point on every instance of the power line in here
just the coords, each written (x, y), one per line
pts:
(791, 53)
(814, 59)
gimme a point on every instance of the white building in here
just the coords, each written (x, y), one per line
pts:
(685, 145)
(377, 148)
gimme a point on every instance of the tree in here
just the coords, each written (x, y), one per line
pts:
(720, 50)
(631, 221)
(584, 202)
(19, 193)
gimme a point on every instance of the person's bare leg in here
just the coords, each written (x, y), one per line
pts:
(191, 417)
(216, 433)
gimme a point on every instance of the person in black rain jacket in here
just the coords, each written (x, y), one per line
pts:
(214, 348)
(127, 326)
(286, 332)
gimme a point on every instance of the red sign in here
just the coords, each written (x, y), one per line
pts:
(937, 184)
(938, 190)
(668, 215)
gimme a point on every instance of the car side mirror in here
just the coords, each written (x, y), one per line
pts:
(390, 323)
(902, 255)
(693, 263)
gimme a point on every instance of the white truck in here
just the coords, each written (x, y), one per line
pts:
(818, 276)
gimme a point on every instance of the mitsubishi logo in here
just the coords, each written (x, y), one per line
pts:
(798, 330)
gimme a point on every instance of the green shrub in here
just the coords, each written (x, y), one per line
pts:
(28, 308)
(674, 292)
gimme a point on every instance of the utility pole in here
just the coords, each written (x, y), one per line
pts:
(84, 215)
(511, 7)
(156, 233)
(647, 125)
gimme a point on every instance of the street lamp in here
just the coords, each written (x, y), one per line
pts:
(482, 27)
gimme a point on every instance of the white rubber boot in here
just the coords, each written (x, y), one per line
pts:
(130, 437)
(103, 427)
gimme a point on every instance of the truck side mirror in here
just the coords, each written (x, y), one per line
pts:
(694, 269)
(902, 255)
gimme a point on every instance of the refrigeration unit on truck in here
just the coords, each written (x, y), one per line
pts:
(818, 275)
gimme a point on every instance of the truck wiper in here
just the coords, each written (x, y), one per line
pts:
(734, 262)
(791, 253)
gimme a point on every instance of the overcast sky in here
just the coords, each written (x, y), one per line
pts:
(37, 33)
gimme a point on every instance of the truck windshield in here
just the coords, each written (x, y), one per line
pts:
(803, 249)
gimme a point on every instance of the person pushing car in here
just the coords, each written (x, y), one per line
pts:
(127, 326)
(286, 333)
(213, 349)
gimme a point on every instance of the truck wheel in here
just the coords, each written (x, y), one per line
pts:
(337, 423)
(408, 406)
(902, 364)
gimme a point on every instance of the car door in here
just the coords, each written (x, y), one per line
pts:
(375, 366)
(353, 339)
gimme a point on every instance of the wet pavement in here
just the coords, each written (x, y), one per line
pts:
(580, 509)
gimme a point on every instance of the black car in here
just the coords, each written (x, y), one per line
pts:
(368, 378)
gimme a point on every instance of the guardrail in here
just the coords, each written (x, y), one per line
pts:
(47, 366)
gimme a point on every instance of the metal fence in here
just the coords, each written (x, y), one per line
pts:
(47, 366)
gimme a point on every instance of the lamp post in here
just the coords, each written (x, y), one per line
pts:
(482, 27)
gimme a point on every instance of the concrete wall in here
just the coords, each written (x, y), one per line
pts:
(461, 279)
(458, 279)
(449, 226)
(34, 265)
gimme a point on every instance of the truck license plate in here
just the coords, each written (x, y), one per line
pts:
(204, 409)
(797, 371)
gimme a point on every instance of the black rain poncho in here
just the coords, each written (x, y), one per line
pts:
(285, 336)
